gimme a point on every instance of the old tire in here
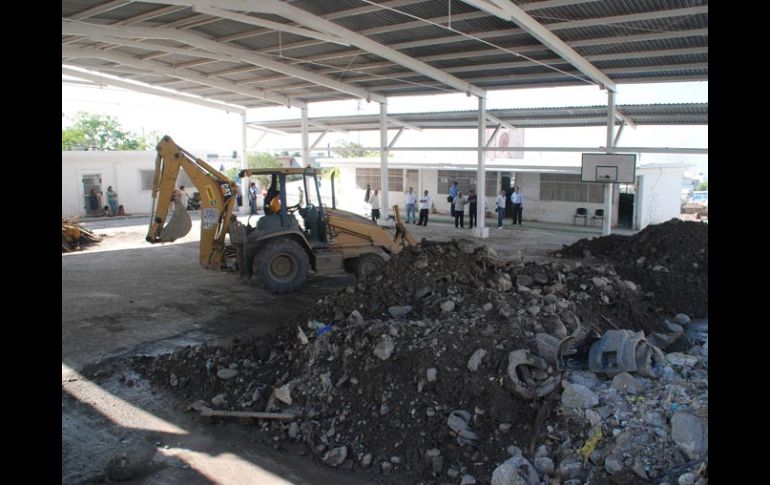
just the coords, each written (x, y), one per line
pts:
(281, 265)
(368, 264)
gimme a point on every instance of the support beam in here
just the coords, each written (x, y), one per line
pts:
(161, 68)
(500, 122)
(481, 230)
(233, 53)
(507, 10)
(384, 161)
(396, 137)
(607, 221)
(617, 137)
(244, 209)
(305, 142)
(104, 7)
(303, 17)
(257, 127)
(102, 79)
(494, 134)
(625, 120)
(398, 122)
(268, 24)
(320, 137)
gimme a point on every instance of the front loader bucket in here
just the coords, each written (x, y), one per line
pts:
(179, 225)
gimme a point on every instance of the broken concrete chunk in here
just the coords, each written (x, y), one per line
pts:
(599, 282)
(524, 280)
(691, 434)
(226, 374)
(384, 348)
(547, 346)
(448, 306)
(680, 359)
(626, 383)
(219, 400)
(431, 374)
(283, 394)
(475, 359)
(486, 307)
(682, 319)
(400, 311)
(577, 396)
(335, 456)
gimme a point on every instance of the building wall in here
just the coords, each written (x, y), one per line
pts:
(121, 170)
(660, 195)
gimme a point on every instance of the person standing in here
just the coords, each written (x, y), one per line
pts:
(516, 200)
(368, 193)
(253, 198)
(411, 204)
(453, 191)
(424, 209)
(374, 201)
(459, 209)
(112, 199)
(500, 208)
(472, 209)
(301, 197)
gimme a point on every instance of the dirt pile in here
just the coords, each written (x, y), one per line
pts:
(669, 259)
(409, 376)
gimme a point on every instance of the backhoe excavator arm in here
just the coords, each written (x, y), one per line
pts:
(217, 193)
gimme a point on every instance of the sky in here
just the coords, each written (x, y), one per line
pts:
(204, 130)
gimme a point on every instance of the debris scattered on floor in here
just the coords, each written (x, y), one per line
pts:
(74, 236)
(474, 369)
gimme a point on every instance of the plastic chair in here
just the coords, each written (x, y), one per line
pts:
(598, 215)
(581, 212)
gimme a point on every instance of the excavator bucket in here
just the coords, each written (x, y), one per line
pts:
(179, 225)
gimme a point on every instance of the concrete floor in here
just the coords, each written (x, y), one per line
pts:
(125, 297)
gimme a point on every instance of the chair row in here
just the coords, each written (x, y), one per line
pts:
(582, 213)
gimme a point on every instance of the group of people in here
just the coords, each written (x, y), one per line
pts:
(458, 201)
(112, 209)
(373, 199)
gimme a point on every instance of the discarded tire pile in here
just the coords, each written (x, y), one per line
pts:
(668, 259)
(443, 368)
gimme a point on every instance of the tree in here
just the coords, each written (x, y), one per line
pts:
(262, 160)
(349, 149)
(702, 186)
(99, 132)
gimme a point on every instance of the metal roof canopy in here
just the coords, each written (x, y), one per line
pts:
(256, 54)
(576, 116)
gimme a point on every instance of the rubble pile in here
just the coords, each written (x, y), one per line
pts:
(668, 259)
(74, 236)
(449, 366)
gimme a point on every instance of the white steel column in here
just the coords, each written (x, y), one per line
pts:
(384, 207)
(607, 222)
(481, 175)
(244, 165)
(305, 140)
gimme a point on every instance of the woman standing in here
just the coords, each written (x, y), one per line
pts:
(112, 199)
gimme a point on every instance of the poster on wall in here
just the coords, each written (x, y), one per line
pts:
(506, 138)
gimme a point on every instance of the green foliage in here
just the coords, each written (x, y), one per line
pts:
(262, 160)
(702, 186)
(100, 132)
(349, 149)
(327, 173)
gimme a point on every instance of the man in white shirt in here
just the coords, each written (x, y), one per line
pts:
(183, 197)
(374, 201)
(424, 209)
(411, 204)
(516, 200)
(500, 208)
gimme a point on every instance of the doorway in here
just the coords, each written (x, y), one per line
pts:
(506, 182)
(92, 194)
(626, 196)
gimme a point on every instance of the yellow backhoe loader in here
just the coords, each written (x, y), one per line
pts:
(281, 249)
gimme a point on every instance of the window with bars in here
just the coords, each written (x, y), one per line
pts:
(371, 176)
(466, 181)
(147, 176)
(569, 188)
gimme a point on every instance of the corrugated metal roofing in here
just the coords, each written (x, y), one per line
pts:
(642, 114)
(618, 36)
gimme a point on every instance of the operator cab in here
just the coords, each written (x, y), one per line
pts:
(290, 186)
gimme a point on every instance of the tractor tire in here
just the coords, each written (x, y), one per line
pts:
(368, 264)
(281, 266)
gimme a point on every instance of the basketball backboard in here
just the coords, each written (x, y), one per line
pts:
(608, 168)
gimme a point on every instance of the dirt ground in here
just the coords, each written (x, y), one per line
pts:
(124, 297)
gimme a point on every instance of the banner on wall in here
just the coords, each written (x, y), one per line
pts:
(506, 138)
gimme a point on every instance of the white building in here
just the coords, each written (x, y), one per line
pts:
(130, 174)
(552, 193)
